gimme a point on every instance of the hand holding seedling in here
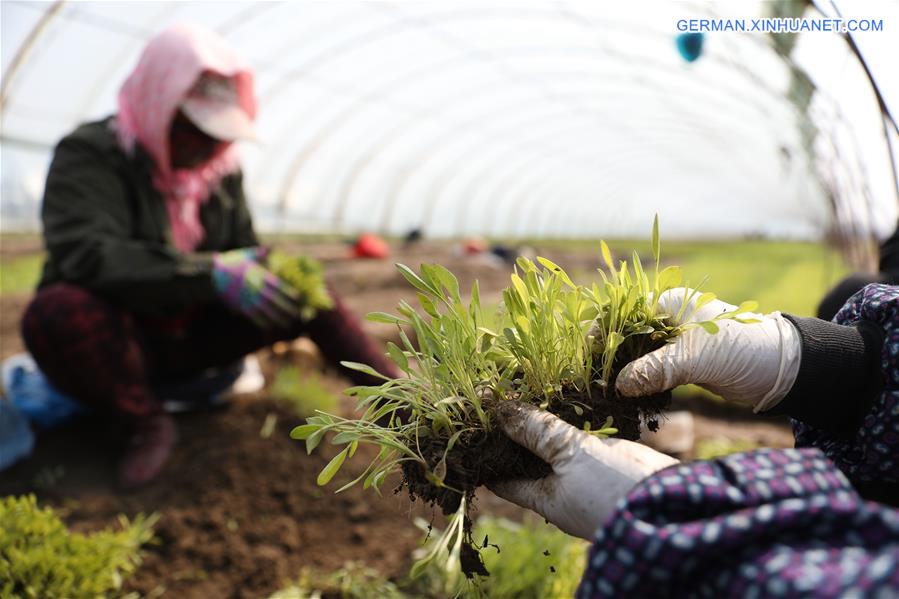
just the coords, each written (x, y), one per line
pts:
(589, 474)
(754, 364)
(249, 288)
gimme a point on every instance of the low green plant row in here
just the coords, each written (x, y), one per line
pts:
(40, 558)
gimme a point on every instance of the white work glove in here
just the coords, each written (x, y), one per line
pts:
(753, 364)
(590, 475)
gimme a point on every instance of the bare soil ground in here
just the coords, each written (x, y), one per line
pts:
(241, 514)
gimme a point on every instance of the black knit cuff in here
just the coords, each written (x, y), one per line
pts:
(839, 375)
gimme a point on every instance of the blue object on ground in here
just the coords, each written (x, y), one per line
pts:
(16, 437)
(30, 391)
(35, 398)
(690, 45)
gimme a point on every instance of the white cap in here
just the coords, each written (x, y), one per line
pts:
(213, 106)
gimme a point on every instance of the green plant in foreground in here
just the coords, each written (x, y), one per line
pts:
(526, 560)
(20, 274)
(557, 345)
(39, 557)
(302, 391)
(352, 581)
(305, 276)
(718, 447)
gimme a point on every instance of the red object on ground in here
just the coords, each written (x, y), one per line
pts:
(370, 246)
(474, 245)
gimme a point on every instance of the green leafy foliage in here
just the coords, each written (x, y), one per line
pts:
(303, 391)
(707, 449)
(527, 560)
(353, 581)
(39, 557)
(305, 277)
(20, 274)
(552, 340)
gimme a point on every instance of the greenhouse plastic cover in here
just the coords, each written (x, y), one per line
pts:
(554, 119)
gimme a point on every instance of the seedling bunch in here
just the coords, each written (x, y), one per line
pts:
(552, 343)
(305, 276)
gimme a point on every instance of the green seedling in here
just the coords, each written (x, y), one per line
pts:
(305, 276)
(555, 344)
(40, 557)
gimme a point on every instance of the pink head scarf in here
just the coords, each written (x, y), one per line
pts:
(148, 101)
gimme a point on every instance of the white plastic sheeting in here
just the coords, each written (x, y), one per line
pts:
(531, 119)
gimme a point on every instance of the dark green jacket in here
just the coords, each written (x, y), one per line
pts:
(106, 227)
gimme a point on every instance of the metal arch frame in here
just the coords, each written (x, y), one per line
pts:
(431, 67)
(501, 107)
(241, 18)
(517, 182)
(230, 24)
(483, 12)
(383, 141)
(619, 157)
(438, 186)
(509, 170)
(538, 195)
(92, 98)
(437, 199)
(538, 205)
(527, 167)
(529, 212)
(576, 191)
(376, 148)
(855, 180)
(569, 188)
(856, 153)
(362, 39)
(24, 50)
(348, 112)
(475, 175)
(593, 181)
(745, 71)
(90, 19)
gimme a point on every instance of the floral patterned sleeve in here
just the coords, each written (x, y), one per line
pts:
(767, 523)
(772, 522)
(871, 453)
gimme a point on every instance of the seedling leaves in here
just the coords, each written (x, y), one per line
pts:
(331, 469)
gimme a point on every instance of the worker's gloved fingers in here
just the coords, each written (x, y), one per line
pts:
(543, 434)
(661, 370)
(275, 296)
(279, 287)
(680, 304)
(529, 494)
(753, 364)
(274, 316)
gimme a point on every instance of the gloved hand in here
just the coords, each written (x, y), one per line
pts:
(589, 474)
(247, 287)
(753, 364)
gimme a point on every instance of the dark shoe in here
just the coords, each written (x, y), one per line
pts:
(148, 451)
(206, 390)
